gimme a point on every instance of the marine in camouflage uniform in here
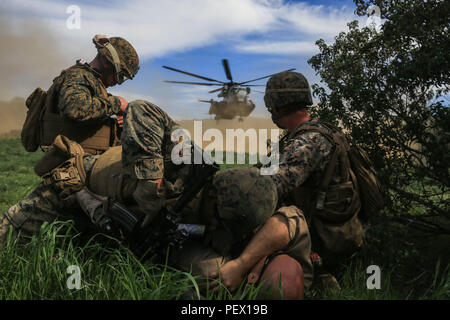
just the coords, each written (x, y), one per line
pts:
(147, 147)
(78, 105)
(242, 201)
(128, 175)
(307, 152)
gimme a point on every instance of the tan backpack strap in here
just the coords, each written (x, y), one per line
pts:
(326, 179)
(339, 151)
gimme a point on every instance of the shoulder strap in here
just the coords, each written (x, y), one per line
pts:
(339, 151)
(307, 127)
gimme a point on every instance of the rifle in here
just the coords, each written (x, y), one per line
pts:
(165, 230)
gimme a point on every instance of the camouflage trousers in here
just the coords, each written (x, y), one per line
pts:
(42, 205)
(39, 206)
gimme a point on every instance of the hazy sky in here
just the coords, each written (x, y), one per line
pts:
(258, 37)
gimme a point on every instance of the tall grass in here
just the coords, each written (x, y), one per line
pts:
(413, 266)
(38, 269)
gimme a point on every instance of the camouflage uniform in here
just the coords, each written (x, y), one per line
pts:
(305, 156)
(146, 140)
(146, 156)
(41, 205)
(78, 105)
(245, 201)
(82, 95)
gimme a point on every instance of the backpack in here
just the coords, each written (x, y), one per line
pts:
(368, 184)
(31, 132)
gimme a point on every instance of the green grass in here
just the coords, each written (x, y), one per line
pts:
(38, 269)
(413, 265)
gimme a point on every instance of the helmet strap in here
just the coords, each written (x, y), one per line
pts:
(102, 41)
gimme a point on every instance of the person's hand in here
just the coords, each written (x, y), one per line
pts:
(120, 121)
(123, 105)
(232, 274)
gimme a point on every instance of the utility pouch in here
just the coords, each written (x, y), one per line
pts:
(63, 167)
(65, 179)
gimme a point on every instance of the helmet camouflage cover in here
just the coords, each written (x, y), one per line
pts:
(129, 59)
(287, 88)
(245, 200)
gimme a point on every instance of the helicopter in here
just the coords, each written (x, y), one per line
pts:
(235, 95)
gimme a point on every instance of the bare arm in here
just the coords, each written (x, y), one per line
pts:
(273, 236)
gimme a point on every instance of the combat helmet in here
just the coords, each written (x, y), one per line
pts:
(245, 200)
(120, 53)
(287, 90)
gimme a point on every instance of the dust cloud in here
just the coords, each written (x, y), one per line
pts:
(30, 58)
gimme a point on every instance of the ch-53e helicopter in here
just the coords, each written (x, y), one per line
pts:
(235, 103)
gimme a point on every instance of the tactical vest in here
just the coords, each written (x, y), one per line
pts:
(331, 208)
(93, 137)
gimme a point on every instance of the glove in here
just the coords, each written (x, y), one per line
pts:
(150, 196)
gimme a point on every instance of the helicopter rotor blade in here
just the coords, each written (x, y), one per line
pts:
(207, 101)
(192, 74)
(215, 90)
(264, 77)
(226, 66)
(196, 83)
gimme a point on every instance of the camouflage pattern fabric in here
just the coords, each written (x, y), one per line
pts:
(146, 140)
(301, 169)
(201, 258)
(27, 216)
(129, 59)
(245, 200)
(287, 88)
(39, 206)
(83, 97)
(305, 155)
(146, 150)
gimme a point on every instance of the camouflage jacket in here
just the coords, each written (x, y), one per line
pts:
(303, 158)
(146, 141)
(82, 96)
